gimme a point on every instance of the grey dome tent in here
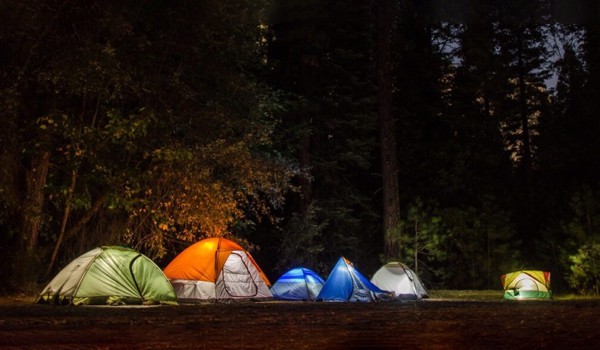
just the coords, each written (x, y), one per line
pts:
(109, 275)
(400, 279)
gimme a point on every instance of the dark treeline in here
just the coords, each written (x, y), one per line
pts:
(460, 137)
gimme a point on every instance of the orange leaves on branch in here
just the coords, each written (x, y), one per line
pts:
(194, 193)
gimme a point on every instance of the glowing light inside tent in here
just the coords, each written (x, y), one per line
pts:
(527, 284)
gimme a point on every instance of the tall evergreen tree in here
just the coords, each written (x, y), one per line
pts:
(418, 72)
(320, 53)
(523, 53)
(568, 142)
(386, 15)
(447, 77)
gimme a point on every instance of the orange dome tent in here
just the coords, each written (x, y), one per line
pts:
(216, 268)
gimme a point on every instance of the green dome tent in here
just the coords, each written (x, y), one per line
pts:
(109, 275)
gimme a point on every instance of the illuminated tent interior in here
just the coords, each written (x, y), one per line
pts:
(526, 284)
(400, 279)
(298, 283)
(109, 275)
(214, 269)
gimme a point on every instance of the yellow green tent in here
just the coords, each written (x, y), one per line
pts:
(109, 275)
(526, 284)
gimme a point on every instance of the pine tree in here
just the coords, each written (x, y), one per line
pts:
(321, 55)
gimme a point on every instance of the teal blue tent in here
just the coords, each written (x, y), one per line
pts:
(345, 283)
(298, 283)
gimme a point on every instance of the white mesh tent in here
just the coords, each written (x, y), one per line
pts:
(400, 279)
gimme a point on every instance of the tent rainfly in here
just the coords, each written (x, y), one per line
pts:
(298, 283)
(215, 269)
(109, 275)
(400, 279)
(345, 283)
(526, 284)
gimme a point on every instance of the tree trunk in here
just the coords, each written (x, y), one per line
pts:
(77, 227)
(304, 179)
(65, 219)
(524, 113)
(387, 131)
(35, 181)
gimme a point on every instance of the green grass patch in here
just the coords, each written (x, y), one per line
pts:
(466, 294)
(487, 295)
(575, 297)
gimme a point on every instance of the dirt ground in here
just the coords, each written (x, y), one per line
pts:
(426, 324)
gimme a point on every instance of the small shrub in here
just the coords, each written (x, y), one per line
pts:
(584, 273)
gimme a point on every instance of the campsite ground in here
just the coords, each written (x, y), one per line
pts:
(463, 321)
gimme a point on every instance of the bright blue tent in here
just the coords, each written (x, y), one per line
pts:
(297, 284)
(345, 283)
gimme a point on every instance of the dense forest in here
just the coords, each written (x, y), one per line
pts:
(460, 137)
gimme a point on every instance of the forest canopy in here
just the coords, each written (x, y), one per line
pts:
(460, 137)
